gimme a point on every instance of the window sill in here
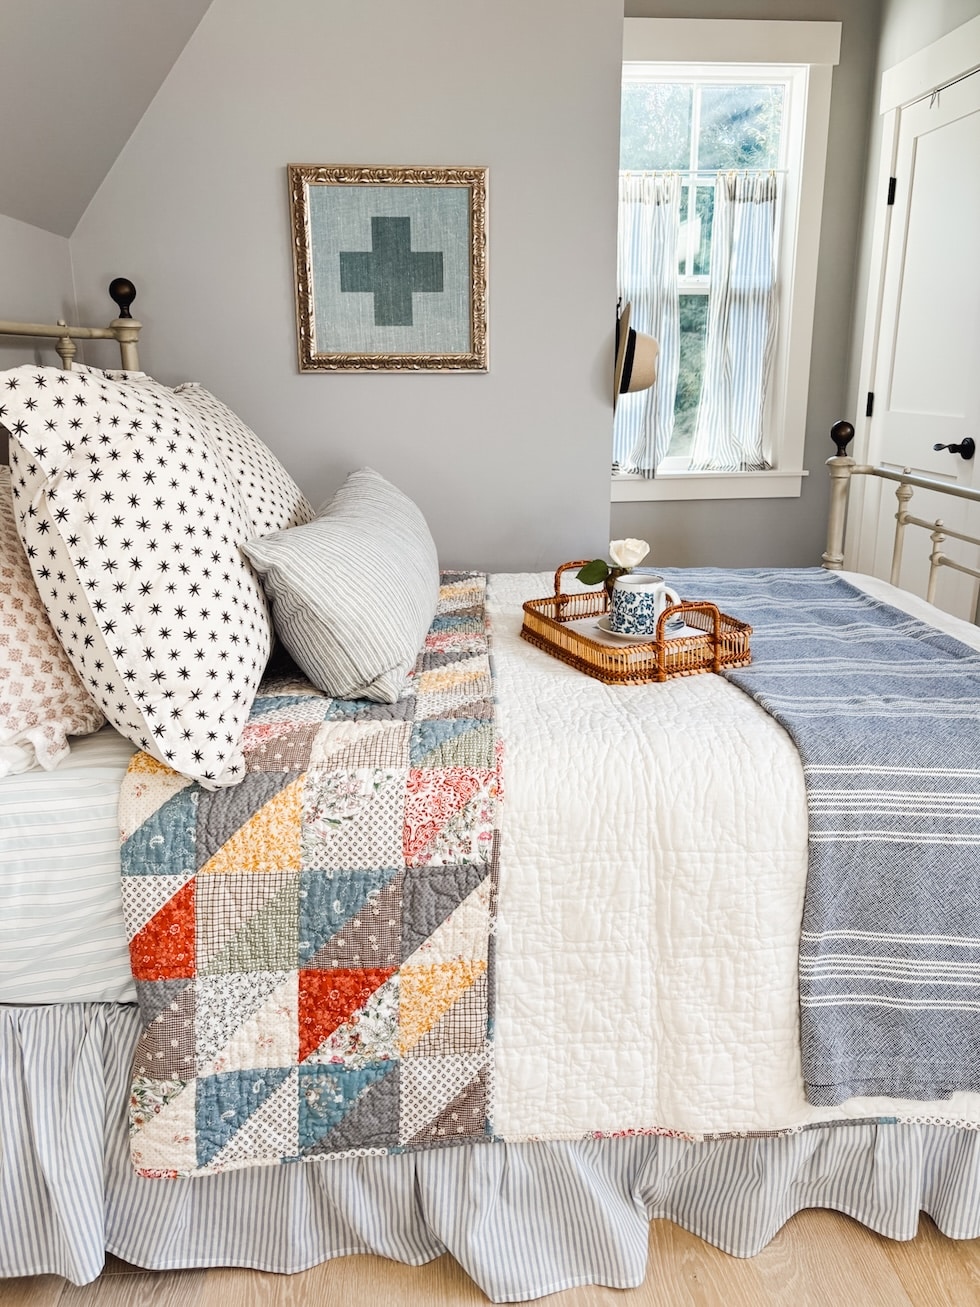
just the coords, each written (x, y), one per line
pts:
(708, 485)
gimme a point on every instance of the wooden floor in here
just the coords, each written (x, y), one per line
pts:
(820, 1259)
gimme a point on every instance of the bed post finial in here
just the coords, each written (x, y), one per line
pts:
(841, 433)
(123, 292)
(125, 328)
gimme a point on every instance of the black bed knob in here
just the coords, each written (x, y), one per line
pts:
(842, 433)
(123, 292)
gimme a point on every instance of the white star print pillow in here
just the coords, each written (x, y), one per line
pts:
(272, 499)
(132, 523)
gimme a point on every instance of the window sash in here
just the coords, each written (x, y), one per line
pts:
(805, 53)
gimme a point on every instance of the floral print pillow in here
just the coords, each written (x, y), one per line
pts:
(42, 701)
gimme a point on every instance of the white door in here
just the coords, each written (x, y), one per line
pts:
(927, 376)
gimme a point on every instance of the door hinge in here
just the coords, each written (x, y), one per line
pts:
(892, 183)
(870, 408)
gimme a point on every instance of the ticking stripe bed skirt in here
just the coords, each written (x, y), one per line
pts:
(523, 1220)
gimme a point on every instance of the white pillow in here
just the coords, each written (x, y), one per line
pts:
(273, 499)
(42, 701)
(132, 524)
(354, 591)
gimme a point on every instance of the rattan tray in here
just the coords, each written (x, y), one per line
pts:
(555, 625)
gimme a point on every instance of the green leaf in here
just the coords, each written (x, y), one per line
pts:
(593, 573)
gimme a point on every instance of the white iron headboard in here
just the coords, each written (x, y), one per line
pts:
(124, 329)
(843, 467)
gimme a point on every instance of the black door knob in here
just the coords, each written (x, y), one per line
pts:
(966, 448)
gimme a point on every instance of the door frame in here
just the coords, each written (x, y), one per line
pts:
(952, 57)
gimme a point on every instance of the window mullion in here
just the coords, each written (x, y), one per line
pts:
(690, 250)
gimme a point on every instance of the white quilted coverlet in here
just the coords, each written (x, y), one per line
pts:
(653, 866)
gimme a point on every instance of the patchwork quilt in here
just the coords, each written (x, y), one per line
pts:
(313, 949)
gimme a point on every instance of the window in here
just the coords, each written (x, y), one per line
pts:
(732, 144)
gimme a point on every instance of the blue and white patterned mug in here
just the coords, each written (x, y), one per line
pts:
(638, 599)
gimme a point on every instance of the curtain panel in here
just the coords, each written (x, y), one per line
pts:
(649, 226)
(741, 334)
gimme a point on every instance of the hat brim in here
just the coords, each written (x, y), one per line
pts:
(622, 340)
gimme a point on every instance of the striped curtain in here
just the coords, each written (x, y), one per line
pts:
(649, 224)
(740, 342)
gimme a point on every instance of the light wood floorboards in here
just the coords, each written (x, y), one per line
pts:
(819, 1259)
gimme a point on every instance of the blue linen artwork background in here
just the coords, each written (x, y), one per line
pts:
(340, 222)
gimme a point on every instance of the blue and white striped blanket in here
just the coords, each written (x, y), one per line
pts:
(885, 712)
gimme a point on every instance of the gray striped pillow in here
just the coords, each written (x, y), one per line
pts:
(353, 592)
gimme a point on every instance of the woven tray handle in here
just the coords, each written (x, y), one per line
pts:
(568, 567)
(693, 606)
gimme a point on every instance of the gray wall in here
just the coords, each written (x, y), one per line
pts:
(74, 81)
(908, 25)
(35, 286)
(509, 467)
(788, 532)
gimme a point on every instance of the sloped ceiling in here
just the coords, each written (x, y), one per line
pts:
(75, 78)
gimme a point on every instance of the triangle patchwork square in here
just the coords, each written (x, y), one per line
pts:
(227, 1003)
(328, 999)
(329, 1093)
(464, 933)
(268, 840)
(278, 746)
(464, 1117)
(142, 801)
(144, 896)
(165, 1049)
(431, 896)
(225, 906)
(428, 993)
(267, 940)
(434, 796)
(162, 1122)
(226, 1102)
(371, 1034)
(353, 819)
(165, 838)
(462, 1028)
(265, 1037)
(164, 948)
(269, 1134)
(430, 1084)
(357, 915)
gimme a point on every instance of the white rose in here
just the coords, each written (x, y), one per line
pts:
(627, 553)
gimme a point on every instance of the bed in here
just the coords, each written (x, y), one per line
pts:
(633, 1001)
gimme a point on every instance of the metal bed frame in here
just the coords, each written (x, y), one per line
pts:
(123, 329)
(843, 467)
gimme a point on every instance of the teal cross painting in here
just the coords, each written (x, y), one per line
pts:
(391, 271)
(390, 268)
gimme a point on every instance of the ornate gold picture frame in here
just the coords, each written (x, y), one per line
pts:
(390, 268)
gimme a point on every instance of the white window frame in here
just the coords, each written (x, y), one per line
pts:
(803, 53)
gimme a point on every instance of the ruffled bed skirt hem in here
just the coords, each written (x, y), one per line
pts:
(523, 1220)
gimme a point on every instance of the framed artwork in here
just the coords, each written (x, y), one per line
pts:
(390, 268)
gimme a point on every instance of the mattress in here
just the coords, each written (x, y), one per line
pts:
(62, 938)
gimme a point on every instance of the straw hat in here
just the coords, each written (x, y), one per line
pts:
(636, 358)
